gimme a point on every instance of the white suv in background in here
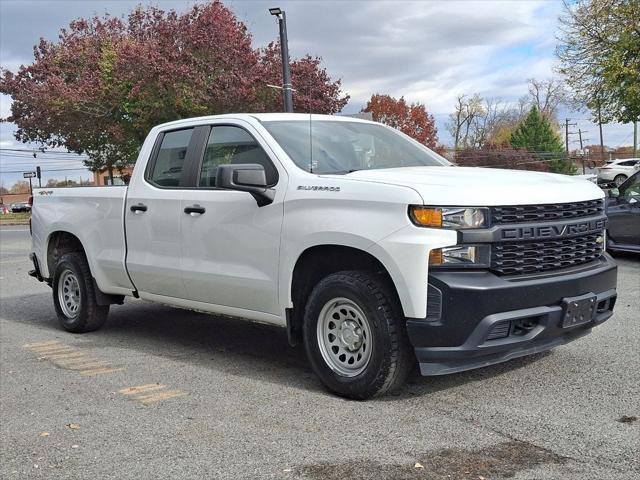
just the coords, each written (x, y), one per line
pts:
(617, 171)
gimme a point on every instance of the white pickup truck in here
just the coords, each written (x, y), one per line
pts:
(370, 249)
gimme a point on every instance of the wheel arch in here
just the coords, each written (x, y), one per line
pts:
(315, 263)
(61, 242)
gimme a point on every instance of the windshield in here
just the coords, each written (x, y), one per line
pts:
(344, 147)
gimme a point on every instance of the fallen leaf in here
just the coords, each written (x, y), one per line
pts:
(418, 465)
(481, 478)
(44, 434)
(73, 426)
(627, 419)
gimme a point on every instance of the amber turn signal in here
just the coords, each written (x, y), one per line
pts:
(426, 217)
(435, 257)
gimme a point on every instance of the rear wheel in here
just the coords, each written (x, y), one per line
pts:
(355, 336)
(619, 179)
(74, 295)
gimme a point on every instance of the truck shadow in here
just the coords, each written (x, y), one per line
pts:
(236, 347)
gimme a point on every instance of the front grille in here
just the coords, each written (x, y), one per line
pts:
(517, 258)
(546, 213)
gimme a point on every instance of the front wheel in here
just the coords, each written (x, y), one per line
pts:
(355, 335)
(619, 179)
(74, 295)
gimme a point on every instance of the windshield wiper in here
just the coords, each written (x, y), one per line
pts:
(344, 172)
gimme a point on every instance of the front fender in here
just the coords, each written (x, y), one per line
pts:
(405, 255)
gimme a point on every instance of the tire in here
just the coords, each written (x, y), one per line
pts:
(619, 180)
(74, 295)
(372, 354)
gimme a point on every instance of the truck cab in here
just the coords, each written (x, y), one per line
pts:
(367, 247)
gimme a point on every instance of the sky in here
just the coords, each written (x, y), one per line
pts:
(426, 51)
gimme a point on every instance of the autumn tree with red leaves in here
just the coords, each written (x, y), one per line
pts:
(107, 81)
(412, 119)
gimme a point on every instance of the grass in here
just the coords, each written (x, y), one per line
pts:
(15, 217)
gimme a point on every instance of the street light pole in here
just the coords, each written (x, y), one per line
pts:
(287, 96)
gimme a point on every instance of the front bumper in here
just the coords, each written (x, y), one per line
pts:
(476, 318)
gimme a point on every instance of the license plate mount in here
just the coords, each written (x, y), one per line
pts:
(578, 310)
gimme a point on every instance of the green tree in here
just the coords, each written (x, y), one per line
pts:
(599, 53)
(536, 135)
(621, 66)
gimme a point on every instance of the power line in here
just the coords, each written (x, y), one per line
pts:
(47, 170)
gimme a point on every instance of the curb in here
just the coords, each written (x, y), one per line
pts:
(14, 222)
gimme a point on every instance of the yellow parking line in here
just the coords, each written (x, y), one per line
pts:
(142, 388)
(75, 354)
(100, 371)
(80, 363)
(97, 364)
(155, 397)
(41, 344)
(52, 350)
(48, 347)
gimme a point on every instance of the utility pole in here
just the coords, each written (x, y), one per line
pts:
(580, 135)
(581, 152)
(601, 139)
(566, 136)
(566, 133)
(635, 139)
(287, 96)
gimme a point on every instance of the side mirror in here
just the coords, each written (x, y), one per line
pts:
(246, 177)
(614, 193)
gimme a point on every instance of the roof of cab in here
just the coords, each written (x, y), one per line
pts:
(265, 117)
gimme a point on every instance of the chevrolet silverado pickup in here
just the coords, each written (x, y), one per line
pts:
(371, 250)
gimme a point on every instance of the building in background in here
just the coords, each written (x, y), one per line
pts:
(120, 177)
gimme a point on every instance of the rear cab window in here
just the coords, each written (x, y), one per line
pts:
(169, 159)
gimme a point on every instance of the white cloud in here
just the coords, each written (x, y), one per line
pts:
(427, 51)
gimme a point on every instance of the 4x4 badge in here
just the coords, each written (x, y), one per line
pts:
(319, 188)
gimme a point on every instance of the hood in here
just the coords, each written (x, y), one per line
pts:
(474, 186)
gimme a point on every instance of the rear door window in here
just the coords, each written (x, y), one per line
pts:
(170, 160)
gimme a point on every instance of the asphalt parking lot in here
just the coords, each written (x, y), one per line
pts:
(166, 393)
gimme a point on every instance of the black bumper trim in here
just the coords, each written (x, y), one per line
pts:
(433, 368)
(473, 303)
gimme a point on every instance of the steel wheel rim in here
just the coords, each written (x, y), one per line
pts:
(69, 294)
(344, 337)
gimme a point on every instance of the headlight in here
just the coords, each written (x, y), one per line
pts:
(461, 256)
(449, 217)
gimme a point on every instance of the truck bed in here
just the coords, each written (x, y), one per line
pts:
(95, 216)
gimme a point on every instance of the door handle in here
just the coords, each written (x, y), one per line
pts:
(139, 208)
(194, 209)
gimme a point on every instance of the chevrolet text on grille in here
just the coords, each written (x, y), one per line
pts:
(553, 231)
